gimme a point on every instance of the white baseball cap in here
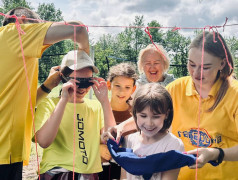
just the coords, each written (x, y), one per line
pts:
(82, 61)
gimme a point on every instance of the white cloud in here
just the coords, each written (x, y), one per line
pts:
(179, 13)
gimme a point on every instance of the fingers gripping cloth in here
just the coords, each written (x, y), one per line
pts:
(148, 165)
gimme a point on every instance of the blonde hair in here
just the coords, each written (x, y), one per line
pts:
(151, 47)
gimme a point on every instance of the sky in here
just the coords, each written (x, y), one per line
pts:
(169, 13)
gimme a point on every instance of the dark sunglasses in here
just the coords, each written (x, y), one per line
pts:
(83, 82)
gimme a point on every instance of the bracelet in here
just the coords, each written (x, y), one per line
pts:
(220, 156)
(45, 89)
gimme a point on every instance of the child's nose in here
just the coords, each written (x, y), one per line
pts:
(150, 122)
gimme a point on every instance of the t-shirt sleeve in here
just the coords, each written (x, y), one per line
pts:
(43, 112)
(32, 39)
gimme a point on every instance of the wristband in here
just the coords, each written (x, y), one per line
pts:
(45, 89)
(220, 156)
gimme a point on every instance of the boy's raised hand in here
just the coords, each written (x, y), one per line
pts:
(100, 89)
(68, 89)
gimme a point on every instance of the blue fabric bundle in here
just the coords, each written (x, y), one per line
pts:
(148, 165)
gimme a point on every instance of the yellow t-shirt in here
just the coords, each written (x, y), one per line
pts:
(89, 122)
(15, 113)
(218, 128)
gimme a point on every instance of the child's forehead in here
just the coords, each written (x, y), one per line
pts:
(123, 80)
(149, 109)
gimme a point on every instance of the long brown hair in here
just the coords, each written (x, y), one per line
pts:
(213, 45)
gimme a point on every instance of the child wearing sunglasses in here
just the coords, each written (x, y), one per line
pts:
(56, 119)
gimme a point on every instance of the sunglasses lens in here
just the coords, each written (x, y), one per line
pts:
(84, 84)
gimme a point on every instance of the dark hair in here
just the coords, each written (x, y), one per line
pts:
(216, 49)
(19, 11)
(157, 98)
(123, 69)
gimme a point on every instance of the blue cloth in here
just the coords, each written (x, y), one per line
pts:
(148, 165)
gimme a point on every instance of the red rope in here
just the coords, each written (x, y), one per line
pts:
(150, 36)
(75, 63)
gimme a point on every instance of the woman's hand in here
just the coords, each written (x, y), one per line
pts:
(204, 155)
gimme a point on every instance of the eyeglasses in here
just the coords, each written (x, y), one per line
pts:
(83, 82)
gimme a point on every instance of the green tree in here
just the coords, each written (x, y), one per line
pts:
(156, 33)
(177, 48)
(105, 53)
(232, 43)
(54, 54)
(131, 40)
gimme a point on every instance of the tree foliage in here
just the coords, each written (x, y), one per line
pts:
(177, 47)
(124, 46)
(54, 54)
(127, 44)
(232, 42)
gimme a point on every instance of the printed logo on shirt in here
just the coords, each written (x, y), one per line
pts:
(205, 139)
(81, 143)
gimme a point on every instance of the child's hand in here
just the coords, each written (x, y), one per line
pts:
(105, 136)
(100, 89)
(68, 89)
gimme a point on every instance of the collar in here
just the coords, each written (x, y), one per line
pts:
(191, 90)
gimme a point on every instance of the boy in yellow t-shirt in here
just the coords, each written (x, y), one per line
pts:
(57, 117)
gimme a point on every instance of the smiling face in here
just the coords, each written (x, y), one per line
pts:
(153, 66)
(211, 66)
(82, 73)
(121, 88)
(149, 122)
